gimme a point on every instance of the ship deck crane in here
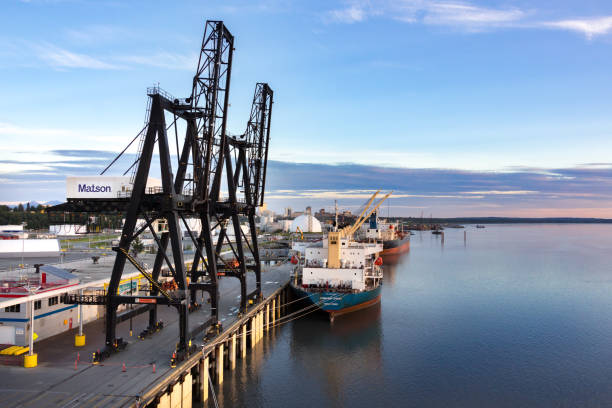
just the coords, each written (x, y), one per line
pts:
(336, 238)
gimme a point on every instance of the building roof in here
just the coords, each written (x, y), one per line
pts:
(307, 223)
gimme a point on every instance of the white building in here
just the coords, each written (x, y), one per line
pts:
(66, 230)
(306, 223)
(13, 230)
(28, 248)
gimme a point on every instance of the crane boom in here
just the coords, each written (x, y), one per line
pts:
(368, 204)
(356, 226)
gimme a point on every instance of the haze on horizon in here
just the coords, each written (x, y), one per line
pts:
(463, 108)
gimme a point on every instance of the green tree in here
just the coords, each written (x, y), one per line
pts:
(137, 246)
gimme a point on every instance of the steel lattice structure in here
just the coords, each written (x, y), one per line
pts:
(194, 191)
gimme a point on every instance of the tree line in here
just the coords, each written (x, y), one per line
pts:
(35, 218)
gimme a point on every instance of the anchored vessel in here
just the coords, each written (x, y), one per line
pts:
(395, 242)
(340, 275)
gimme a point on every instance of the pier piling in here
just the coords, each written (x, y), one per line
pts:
(243, 341)
(204, 379)
(232, 351)
(219, 363)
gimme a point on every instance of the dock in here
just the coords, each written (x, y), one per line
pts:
(141, 374)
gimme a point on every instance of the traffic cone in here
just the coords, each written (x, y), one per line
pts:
(123, 368)
(153, 368)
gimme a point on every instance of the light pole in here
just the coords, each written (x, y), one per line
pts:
(79, 339)
(31, 359)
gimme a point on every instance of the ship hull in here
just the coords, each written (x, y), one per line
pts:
(393, 250)
(336, 304)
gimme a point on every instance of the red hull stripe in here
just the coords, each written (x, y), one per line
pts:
(356, 307)
(397, 250)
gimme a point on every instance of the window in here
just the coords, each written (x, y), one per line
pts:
(53, 301)
(37, 304)
(13, 309)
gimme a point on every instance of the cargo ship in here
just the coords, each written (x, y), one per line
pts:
(340, 275)
(395, 242)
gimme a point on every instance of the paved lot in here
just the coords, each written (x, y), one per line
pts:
(56, 382)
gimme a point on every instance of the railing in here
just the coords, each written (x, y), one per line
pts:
(156, 90)
(321, 288)
(96, 299)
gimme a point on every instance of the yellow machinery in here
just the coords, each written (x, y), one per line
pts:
(334, 243)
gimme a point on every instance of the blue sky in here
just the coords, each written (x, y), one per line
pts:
(490, 89)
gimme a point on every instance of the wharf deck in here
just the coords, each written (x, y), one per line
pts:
(57, 383)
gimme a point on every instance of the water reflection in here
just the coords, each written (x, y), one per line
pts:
(504, 316)
(389, 272)
(336, 353)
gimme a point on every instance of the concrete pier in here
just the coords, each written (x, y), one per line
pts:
(219, 363)
(204, 374)
(251, 325)
(273, 311)
(148, 380)
(243, 341)
(253, 332)
(232, 351)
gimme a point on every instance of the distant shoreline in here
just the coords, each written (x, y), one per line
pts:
(502, 220)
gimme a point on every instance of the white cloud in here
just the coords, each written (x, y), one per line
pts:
(163, 60)
(19, 52)
(590, 27)
(61, 58)
(452, 14)
(357, 194)
(352, 14)
(464, 15)
(501, 192)
(455, 14)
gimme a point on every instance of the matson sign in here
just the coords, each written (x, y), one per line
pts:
(97, 187)
(101, 186)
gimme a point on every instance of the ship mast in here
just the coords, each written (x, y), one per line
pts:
(336, 215)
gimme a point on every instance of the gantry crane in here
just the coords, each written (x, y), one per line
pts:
(193, 191)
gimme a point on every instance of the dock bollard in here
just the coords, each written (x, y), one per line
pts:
(79, 340)
(30, 360)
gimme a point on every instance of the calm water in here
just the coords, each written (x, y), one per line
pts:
(518, 316)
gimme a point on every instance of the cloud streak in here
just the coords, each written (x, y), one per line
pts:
(590, 27)
(22, 53)
(463, 15)
(581, 191)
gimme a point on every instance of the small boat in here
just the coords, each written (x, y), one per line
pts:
(479, 226)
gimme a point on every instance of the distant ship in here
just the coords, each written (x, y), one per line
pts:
(339, 275)
(479, 226)
(395, 242)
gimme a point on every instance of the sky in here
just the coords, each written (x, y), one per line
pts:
(462, 108)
